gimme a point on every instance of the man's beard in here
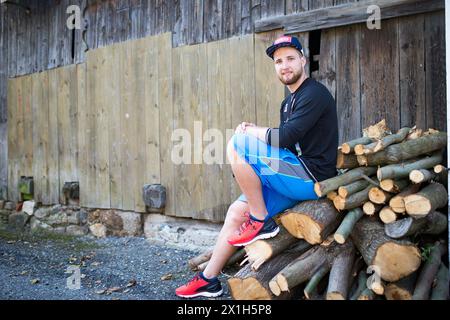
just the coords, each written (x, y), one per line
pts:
(293, 80)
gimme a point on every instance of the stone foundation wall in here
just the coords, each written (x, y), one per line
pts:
(74, 220)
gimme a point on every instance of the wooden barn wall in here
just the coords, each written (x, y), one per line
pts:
(114, 130)
(108, 123)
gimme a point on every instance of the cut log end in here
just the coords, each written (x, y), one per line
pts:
(274, 287)
(396, 261)
(346, 148)
(359, 149)
(393, 292)
(318, 190)
(247, 289)
(302, 227)
(282, 283)
(417, 205)
(335, 296)
(439, 168)
(339, 238)
(387, 215)
(339, 203)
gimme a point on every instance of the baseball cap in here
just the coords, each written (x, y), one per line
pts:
(284, 41)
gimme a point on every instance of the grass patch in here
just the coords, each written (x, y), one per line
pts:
(61, 240)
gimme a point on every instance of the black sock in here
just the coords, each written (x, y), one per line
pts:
(207, 279)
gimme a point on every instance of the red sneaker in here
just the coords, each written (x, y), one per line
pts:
(252, 230)
(200, 286)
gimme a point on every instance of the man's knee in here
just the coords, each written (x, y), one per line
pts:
(236, 213)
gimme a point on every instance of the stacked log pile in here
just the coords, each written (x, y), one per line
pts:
(375, 233)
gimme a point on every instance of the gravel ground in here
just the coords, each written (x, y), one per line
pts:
(129, 268)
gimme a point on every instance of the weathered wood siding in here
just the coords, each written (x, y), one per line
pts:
(105, 116)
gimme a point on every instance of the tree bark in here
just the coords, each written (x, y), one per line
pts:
(402, 170)
(344, 230)
(332, 184)
(349, 189)
(305, 266)
(338, 283)
(429, 271)
(248, 284)
(440, 290)
(348, 147)
(397, 203)
(314, 281)
(434, 223)
(261, 251)
(361, 286)
(353, 201)
(407, 150)
(198, 260)
(394, 258)
(384, 142)
(312, 220)
(430, 198)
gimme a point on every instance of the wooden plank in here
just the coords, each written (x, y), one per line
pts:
(53, 36)
(136, 19)
(213, 20)
(19, 124)
(345, 14)
(435, 71)
(113, 60)
(140, 117)
(13, 163)
(12, 17)
(151, 144)
(269, 89)
(242, 66)
(226, 53)
(246, 25)
(316, 4)
(272, 8)
(379, 61)
(327, 60)
(412, 72)
(303, 37)
(186, 111)
(27, 128)
(92, 61)
(64, 35)
(229, 24)
(80, 45)
(205, 116)
(40, 143)
(215, 198)
(53, 161)
(83, 134)
(294, 6)
(101, 136)
(101, 24)
(67, 126)
(166, 83)
(128, 126)
(348, 97)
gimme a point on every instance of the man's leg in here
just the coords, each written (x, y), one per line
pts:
(248, 181)
(222, 250)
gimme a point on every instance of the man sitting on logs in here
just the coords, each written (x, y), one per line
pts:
(274, 167)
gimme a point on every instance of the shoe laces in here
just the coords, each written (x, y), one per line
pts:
(245, 225)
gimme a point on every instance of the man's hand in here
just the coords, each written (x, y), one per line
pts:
(243, 127)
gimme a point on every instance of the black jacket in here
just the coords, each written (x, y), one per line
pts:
(313, 124)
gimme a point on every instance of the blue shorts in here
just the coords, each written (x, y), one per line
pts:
(283, 177)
